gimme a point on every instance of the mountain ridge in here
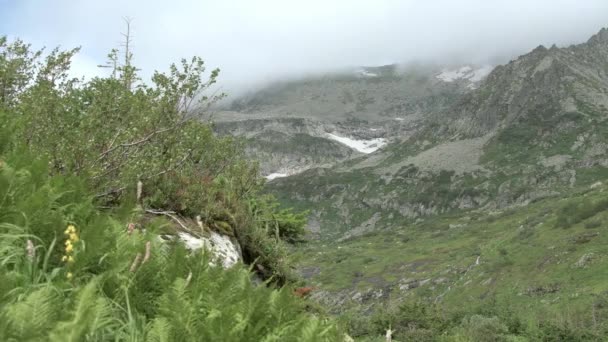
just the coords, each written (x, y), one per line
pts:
(540, 119)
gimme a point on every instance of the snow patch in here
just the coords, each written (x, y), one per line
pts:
(399, 119)
(453, 75)
(466, 73)
(275, 175)
(481, 73)
(365, 73)
(363, 146)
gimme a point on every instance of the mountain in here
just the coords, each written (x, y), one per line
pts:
(485, 199)
(319, 120)
(535, 128)
(494, 205)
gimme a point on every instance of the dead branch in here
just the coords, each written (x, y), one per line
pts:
(170, 214)
(160, 173)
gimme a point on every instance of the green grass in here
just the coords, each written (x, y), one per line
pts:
(525, 259)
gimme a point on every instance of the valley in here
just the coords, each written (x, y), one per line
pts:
(466, 201)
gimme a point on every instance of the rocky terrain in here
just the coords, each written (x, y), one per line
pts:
(534, 128)
(321, 120)
(487, 190)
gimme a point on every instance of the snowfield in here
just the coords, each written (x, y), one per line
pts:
(466, 73)
(365, 73)
(275, 175)
(481, 73)
(363, 146)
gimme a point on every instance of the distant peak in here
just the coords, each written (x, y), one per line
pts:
(600, 37)
(540, 48)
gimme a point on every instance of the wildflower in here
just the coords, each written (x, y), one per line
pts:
(130, 228)
(70, 259)
(147, 254)
(69, 275)
(135, 262)
(74, 237)
(64, 258)
(71, 229)
(31, 251)
(69, 248)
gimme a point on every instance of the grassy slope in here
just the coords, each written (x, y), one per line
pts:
(524, 258)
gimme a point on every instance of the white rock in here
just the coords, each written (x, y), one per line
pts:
(596, 185)
(222, 247)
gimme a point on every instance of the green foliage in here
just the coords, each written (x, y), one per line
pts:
(114, 132)
(174, 295)
(284, 223)
(412, 321)
(483, 329)
(575, 211)
(548, 282)
(68, 147)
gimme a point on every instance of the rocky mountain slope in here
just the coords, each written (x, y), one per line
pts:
(535, 128)
(320, 120)
(490, 201)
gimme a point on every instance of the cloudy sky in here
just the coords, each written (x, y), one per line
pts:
(260, 40)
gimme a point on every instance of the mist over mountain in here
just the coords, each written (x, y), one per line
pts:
(257, 42)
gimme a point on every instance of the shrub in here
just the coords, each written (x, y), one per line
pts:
(105, 293)
(115, 132)
(575, 212)
(484, 329)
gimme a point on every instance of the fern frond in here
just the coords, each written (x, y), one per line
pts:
(92, 315)
(34, 316)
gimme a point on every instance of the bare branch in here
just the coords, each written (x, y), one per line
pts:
(160, 173)
(168, 214)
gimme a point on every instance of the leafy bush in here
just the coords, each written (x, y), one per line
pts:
(117, 132)
(102, 292)
(484, 329)
(71, 272)
(578, 211)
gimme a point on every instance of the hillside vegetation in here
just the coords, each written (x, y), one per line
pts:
(84, 169)
(534, 272)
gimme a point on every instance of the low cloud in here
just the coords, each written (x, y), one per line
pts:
(256, 41)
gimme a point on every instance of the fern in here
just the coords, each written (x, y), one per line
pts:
(91, 318)
(159, 330)
(32, 317)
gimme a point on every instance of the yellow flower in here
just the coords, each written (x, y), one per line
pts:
(68, 242)
(74, 237)
(69, 275)
(69, 248)
(70, 229)
(70, 259)
(64, 258)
